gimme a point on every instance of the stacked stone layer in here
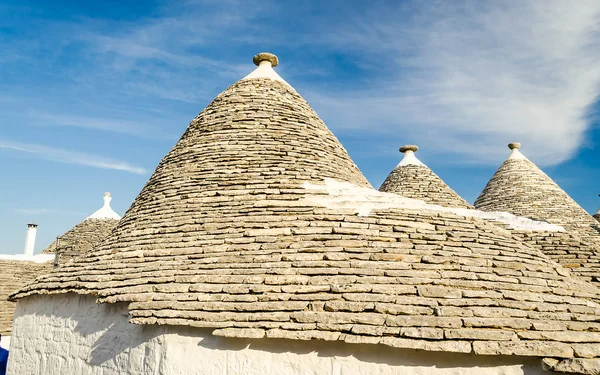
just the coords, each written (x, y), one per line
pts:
(580, 256)
(82, 237)
(420, 182)
(15, 275)
(226, 235)
(521, 188)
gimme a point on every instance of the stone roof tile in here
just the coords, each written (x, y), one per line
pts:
(13, 276)
(85, 235)
(413, 179)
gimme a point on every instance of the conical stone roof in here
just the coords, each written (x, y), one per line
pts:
(413, 179)
(523, 189)
(258, 224)
(85, 235)
(597, 214)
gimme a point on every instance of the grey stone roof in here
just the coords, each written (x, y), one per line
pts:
(581, 256)
(13, 276)
(523, 189)
(416, 180)
(82, 237)
(231, 233)
(87, 234)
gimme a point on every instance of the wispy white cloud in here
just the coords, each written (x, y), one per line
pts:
(459, 78)
(468, 77)
(106, 124)
(34, 211)
(71, 157)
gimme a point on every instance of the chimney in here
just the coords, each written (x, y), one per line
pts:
(30, 239)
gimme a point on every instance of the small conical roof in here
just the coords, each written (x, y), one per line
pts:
(85, 235)
(258, 224)
(413, 179)
(106, 212)
(523, 189)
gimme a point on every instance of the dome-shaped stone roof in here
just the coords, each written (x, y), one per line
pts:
(258, 224)
(85, 235)
(523, 189)
(413, 179)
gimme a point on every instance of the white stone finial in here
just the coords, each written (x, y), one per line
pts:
(106, 212)
(409, 156)
(515, 153)
(266, 62)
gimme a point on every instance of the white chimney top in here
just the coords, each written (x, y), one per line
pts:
(106, 212)
(30, 239)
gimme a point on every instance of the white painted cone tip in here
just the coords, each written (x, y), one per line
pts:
(106, 212)
(515, 154)
(265, 62)
(409, 156)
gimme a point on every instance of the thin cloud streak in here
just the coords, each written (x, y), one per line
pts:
(467, 77)
(71, 157)
(34, 211)
(105, 124)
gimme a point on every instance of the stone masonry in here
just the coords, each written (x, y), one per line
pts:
(226, 235)
(419, 182)
(15, 275)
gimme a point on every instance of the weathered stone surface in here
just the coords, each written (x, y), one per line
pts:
(561, 336)
(443, 346)
(439, 292)
(526, 348)
(587, 350)
(13, 276)
(249, 333)
(480, 334)
(422, 333)
(573, 366)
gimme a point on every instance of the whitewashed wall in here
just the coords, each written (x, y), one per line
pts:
(5, 342)
(70, 334)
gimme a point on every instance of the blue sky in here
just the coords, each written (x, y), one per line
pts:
(93, 94)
